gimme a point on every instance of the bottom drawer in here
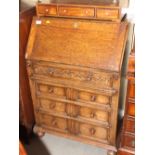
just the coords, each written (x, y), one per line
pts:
(73, 127)
(129, 141)
(93, 132)
(56, 123)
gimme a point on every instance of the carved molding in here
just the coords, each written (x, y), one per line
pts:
(73, 74)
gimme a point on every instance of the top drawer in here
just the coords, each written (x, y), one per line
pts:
(79, 11)
(71, 74)
(108, 13)
(46, 10)
(76, 11)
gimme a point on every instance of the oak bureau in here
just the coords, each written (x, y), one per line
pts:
(74, 60)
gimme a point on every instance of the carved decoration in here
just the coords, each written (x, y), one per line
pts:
(73, 74)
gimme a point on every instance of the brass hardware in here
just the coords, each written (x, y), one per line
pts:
(92, 131)
(50, 90)
(54, 123)
(47, 21)
(89, 76)
(75, 25)
(52, 105)
(92, 115)
(28, 64)
(93, 98)
(46, 10)
(51, 71)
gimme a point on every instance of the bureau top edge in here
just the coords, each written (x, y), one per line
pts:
(103, 3)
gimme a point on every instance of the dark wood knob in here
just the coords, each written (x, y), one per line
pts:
(93, 98)
(92, 131)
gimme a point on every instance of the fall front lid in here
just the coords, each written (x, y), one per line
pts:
(85, 43)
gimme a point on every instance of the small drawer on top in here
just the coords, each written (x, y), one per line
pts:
(128, 141)
(46, 10)
(76, 11)
(130, 125)
(109, 14)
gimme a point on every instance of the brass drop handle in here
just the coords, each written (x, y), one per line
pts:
(89, 77)
(52, 105)
(54, 123)
(50, 90)
(92, 115)
(51, 72)
(92, 131)
(93, 98)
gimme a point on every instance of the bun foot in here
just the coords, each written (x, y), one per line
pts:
(38, 131)
(111, 153)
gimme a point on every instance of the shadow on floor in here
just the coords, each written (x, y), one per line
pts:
(36, 147)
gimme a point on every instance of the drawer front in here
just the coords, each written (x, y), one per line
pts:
(129, 141)
(93, 114)
(52, 105)
(131, 89)
(107, 13)
(76, 11)
(55, 91)
(71, 94)
(53, 122)
(130, 125)
(94, 78)
(71, 127)
(131, 109)
(91, 97)
(46, 10)
(93, 132)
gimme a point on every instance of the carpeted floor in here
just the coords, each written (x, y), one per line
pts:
(53, 145)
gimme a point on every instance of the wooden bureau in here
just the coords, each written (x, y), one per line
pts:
(74, 67)
(127, 144)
